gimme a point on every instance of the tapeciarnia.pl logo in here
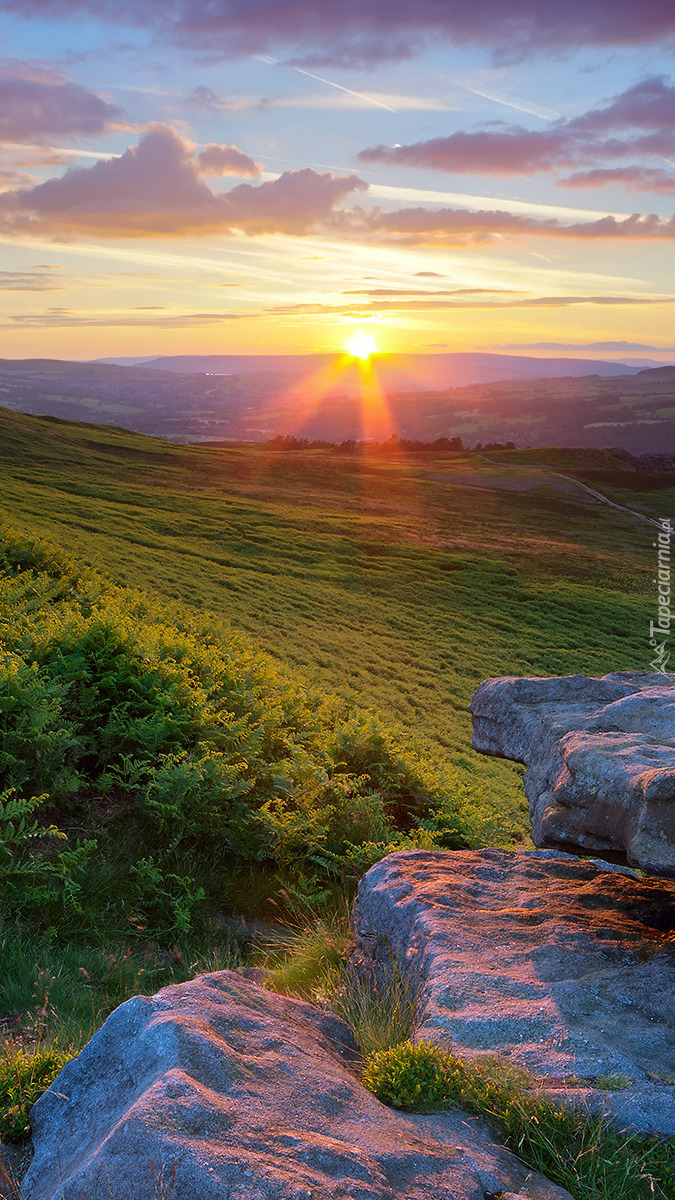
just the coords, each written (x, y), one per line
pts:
(659, 630)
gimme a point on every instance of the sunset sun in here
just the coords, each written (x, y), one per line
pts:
(361, 345)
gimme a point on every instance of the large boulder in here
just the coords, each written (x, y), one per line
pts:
(600, 755)
(217, 1088)
(561, 966)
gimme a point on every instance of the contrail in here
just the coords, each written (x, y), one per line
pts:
(65, 150)
(331, 83)
(535, 110)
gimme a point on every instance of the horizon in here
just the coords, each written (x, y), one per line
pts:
(429, 182)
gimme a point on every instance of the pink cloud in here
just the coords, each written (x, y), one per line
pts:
(367, 30)
(639, 121)
(514, 151)
(36, 105)
(461, 227)
(155, 188)
(634, 179)
(226, 160)
(650, 104)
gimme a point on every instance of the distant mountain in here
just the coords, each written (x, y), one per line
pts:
(123, 362)
(407, 372)
(667, 372)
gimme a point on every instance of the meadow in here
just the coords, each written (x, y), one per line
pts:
(295, 633)
(395, 582)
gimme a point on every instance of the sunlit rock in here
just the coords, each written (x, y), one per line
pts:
(560, 966)
(217, 1088)
(600, 755)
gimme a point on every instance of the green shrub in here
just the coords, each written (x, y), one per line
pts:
(414, 1077)
(39, 880)
(167, 735)
(24, 1076)
(38, 743)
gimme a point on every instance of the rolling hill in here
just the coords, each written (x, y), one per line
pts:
(635, 412)
(398, 581)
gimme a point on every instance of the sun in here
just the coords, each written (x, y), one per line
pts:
(361, 345)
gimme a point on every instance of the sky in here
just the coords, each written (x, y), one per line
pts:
(248, 176)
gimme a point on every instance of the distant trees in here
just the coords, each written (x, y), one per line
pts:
(287, 442)
(393, 445)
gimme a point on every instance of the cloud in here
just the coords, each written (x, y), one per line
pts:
(69, 318)
(366, 309)
(13, 179)
(204, 99)
(40, 280)
(155, 188)
(363, 31)
(37, 105)
(38, 156)
(513, 151)
(639, 121)
(226, 160)
(633, 178)
(619, 347)
(463, 227)
(404, 292)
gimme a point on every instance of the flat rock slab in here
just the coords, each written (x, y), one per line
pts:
(218, 1089)
(562, 966)
(600, 754)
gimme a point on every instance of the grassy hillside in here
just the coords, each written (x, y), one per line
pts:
(158, 775)
(397, 583)
(162, 770)
(175, 756)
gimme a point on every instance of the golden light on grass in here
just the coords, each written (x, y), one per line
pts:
(361, 345)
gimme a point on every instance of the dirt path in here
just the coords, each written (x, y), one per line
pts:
(570, 479)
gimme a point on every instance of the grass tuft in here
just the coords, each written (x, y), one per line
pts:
(377, 1000)
(584, 1153)
(24, 1076)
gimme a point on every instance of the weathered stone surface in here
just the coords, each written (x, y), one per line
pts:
(560, 965)
(600, 755)
(217, 1088)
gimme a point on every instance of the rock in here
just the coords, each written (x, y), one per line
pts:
(559, 965)
(600, 755)
(218, 1088)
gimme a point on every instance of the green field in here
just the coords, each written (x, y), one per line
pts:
(398, 582)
